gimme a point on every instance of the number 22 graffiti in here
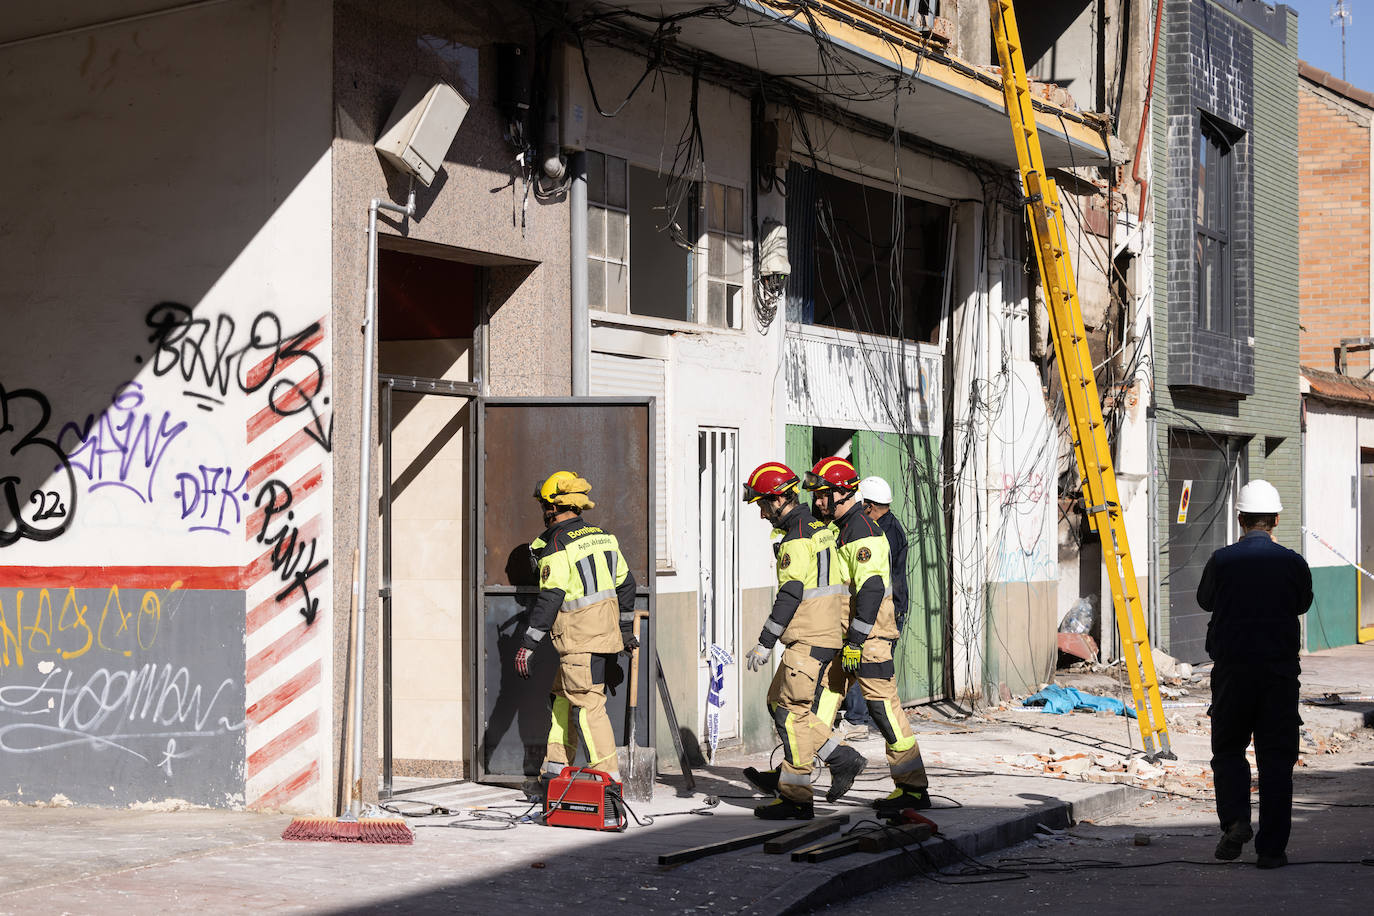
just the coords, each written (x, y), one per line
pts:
(37, 486)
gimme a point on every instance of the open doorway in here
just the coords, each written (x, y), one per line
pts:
(428, 310)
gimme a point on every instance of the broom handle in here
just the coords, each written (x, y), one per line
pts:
(346, 775)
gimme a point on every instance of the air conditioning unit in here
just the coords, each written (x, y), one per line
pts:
(422, 127)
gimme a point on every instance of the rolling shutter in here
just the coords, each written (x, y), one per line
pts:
(618, 376)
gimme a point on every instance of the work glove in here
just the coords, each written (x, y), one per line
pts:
(630, 640)
(522, 661)
(849, 658)
(758, 657)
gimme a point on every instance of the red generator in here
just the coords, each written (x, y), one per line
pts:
(586, 798)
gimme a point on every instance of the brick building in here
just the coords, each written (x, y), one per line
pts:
(1334, 136)
(1334, 121)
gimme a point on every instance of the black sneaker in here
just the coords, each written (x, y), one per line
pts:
(1233, 841)
(845, 766)
(784, 809)
(765, 781)
(1278, 861)
(902, 798)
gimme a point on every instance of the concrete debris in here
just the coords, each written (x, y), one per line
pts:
(1111, 768)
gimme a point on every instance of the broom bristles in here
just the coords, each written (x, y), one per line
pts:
(388, 831)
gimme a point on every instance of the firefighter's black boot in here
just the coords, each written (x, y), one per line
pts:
(784, 809)
(904, 797)
(765, 781)
(845, 766)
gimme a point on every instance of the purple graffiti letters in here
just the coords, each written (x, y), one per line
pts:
(209, 497)
(288, 546)
(122, 447)
(203, 352)
(37, 486)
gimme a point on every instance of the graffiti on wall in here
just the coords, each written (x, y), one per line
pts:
(37, 486)
(123, 446)
(210, 355)
(292, 552)
(221, 436)
(126, 684)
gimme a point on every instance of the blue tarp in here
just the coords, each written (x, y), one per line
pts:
(1066, 699)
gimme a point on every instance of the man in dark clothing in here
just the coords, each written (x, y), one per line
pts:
(1255, 590)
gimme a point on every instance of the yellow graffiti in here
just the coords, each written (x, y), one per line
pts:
(68, 634)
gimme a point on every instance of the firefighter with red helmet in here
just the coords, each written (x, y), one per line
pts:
(808, 617)
(586, 605)
(863, 552)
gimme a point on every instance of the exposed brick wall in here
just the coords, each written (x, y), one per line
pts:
(1333, 225)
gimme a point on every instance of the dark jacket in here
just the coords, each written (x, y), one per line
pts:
(896, 538)
(1255, 590)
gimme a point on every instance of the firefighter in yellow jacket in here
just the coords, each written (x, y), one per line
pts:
(808, 618)
(586, 604)
(863, 552)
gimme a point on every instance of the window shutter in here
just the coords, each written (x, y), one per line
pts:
(620, 376)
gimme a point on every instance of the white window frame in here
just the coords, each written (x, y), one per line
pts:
(699, 276)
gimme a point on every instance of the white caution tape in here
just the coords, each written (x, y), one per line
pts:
(1323, 541)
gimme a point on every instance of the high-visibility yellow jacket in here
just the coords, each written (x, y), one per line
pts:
(812, 604)
(583, 580)
(865, 569)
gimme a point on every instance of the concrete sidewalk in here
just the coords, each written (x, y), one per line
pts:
(90, 860)
(87, 860)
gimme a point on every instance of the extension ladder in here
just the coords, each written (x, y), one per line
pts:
(1092, 453)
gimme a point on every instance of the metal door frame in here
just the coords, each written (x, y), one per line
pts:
(648, 590)
(407, 384)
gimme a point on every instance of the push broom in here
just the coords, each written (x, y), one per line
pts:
(349, 827)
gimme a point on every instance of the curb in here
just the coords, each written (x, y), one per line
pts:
(872, 872)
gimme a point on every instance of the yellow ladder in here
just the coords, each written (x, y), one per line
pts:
(1090, 448)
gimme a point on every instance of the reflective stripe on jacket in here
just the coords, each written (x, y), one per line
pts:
(865, 566)
(586, 589)
(811, 606)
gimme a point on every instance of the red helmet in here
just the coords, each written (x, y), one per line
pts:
(772, 478)
(832, 474)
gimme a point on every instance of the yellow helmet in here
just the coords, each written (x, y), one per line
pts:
(566, 490)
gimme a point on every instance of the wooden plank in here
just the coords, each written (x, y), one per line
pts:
(800, 836)
(823, 852)
(711, 849)
(892, 837)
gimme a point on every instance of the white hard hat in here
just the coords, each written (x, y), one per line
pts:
(875, 490)
(1258, 497)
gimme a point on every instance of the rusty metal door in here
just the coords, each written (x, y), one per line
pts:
(520, 441)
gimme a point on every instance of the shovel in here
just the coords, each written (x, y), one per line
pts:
(637, 763)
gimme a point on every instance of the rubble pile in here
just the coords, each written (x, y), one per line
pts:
(1093, 766)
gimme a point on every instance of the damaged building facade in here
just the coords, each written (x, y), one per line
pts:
(756, 230)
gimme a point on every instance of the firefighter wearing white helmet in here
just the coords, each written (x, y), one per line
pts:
(1255, 590)
(586, 605)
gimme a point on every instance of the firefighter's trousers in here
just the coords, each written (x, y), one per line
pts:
(579, 712)
(877, 678)
(792, 699)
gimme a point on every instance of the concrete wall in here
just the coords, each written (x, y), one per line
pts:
(167, 384)
(714, 377)
(1334, 136)
(472, 212)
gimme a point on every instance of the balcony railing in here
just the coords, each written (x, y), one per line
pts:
(915, 13)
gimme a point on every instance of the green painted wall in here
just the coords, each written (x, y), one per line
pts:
(911, 465)
(1271, 414)
(1332, 619)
